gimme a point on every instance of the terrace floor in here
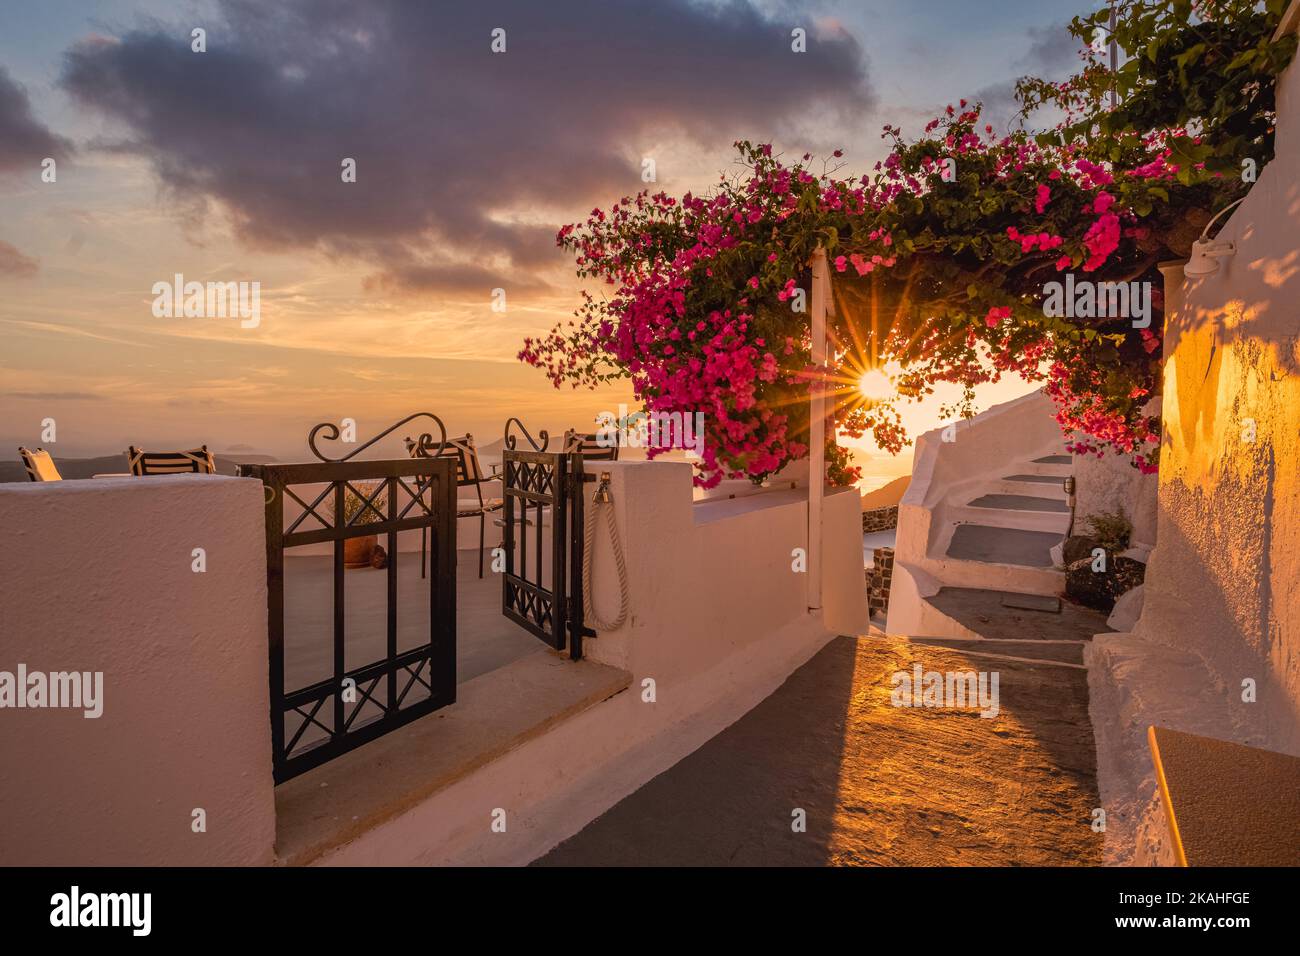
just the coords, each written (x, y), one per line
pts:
(880, 785)
(485, 639)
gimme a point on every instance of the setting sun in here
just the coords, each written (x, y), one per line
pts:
(875, 385)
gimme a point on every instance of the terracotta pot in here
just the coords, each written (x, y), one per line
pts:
(357, 552)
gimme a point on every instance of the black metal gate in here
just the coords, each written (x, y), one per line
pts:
(316, 722)
(542, 585)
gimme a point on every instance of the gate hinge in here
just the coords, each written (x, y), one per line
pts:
(571, 622)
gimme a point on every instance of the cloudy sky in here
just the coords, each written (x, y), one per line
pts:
(377, 295)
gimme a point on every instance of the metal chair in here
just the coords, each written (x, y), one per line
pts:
(588, 446)
(196, 461)
(40, 466)
(468, 473)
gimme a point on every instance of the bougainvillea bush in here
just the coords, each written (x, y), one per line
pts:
(940, 256)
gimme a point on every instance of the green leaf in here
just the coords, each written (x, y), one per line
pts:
(1240, 60)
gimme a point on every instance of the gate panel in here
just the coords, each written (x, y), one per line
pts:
(406, 495)
(533, 486)
(542, 584)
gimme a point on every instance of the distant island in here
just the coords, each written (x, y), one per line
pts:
(888, 495)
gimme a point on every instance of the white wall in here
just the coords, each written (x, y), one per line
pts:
(718, 621)
(97, 577)
(1222, 580)
(1222, 601)
(709, 578)
(1110, 484)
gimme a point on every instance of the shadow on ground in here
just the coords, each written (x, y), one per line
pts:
(880, 785)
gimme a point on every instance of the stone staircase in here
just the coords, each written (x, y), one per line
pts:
(1015, 520)
(1000, 533)
(983, 514)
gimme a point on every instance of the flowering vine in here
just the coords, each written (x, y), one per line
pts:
(939, 259)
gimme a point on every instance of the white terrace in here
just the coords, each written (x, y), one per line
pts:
(101, 579)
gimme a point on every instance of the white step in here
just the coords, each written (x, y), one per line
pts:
(1044, 469)
(1016, 518)
(1038, 487)
(992, 544)
(1033, 504)
(954, 572)
(981, 555)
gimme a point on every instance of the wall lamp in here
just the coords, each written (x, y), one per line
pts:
(1069, 491)
(1207, 252)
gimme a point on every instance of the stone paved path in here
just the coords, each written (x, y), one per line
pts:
(880, 785)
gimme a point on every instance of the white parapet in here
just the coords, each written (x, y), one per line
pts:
(99, 579)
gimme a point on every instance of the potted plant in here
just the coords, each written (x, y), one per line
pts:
(358, 552)
(1097, 580)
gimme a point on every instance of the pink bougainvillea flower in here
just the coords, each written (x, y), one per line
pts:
(1042, 198)
(996, 315)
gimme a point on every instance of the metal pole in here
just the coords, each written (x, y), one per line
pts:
(817, 427)
(1114, 59)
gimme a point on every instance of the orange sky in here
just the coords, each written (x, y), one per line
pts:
(83, 347)
(344, 331)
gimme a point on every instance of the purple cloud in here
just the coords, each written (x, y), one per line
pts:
(14, 264)
(24, 141)
(448, 137)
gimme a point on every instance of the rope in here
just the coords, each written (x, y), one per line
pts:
(588, 605)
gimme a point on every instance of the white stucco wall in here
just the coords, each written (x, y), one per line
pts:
(1111, 483)
(718, 620)
(711, 577)
(98, 577)
(1222, 594)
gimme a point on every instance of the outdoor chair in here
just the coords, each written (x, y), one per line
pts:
(40, 466)
(588, 447)
(468, 473)
(196, 461)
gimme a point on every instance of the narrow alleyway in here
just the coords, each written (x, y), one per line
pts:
(878, 784)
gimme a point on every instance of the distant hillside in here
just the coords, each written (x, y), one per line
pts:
(888, 495)
(110, 464)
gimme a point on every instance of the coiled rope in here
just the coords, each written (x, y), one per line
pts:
(588, 604)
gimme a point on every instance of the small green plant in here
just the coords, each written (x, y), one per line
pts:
(1111, 529)
(355, 509)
